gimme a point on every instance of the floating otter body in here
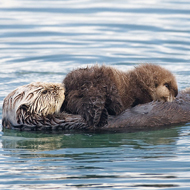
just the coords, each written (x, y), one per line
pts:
(141, 117)
(97, 92)
(28, 104)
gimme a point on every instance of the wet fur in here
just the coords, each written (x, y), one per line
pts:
(26, 104)
(149, 116)
(95, 92)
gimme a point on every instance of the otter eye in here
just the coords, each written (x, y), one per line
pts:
(166, 85)
(44, 92)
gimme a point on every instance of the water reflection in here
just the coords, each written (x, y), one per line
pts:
(12, 139)
(73, 160)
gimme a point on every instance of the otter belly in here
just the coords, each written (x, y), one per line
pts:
(142, 117)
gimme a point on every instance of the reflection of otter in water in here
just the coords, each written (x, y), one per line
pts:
(146, 116)
(98, 91)
(28, 104)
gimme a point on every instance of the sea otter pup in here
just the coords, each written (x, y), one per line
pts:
(31, 104)
(94, 92)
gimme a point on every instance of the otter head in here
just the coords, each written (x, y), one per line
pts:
(166, 91)
(165, 85)
(26, 103)
(158, 82)
(43, 98)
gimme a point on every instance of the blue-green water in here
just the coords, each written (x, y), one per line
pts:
(44, 40)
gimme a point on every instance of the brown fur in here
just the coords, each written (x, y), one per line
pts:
(98, 91)
(149, 116)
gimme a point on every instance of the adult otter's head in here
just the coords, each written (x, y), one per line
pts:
(36, 98)
(159, 82)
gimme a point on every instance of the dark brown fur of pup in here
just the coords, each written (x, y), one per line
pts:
(95, 92)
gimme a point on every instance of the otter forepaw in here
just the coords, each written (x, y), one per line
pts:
(95, 117)
(95, 114)
(103, 118)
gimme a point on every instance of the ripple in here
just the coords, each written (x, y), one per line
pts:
(43, 41)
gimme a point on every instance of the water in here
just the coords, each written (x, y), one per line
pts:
(43, 41)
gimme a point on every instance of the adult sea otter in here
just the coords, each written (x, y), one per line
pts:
(21, 111)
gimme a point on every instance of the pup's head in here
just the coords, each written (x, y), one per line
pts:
(160, 82)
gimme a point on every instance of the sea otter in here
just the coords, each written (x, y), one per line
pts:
(98, 91)
(30, 104)
(152, 115)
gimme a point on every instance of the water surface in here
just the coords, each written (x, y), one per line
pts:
(43, 41)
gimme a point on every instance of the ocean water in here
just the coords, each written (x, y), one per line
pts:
(42, 41)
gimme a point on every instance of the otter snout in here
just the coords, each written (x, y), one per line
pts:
(165, 93)
(171, 98)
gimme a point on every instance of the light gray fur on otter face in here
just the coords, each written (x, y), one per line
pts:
(95, 92)
(32, 100)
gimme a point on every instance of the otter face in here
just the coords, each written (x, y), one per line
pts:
(166, 92)
(45, 98)
(158, 81)
(36, 98)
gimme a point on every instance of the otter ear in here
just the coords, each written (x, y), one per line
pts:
(21, 113)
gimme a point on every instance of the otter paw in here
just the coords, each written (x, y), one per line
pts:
(95, 117)
(103, 118)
